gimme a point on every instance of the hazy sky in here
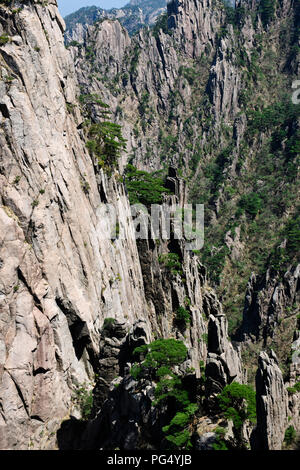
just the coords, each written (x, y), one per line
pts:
(68, 6)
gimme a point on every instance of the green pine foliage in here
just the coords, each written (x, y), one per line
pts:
(4, 39)
(158, 359)
(162, 352)
(106, 143)
(214, 258)
(290, 435)
(161, 24)
(177, 432)
(267, 10)
(144, 188)
(251, 203)
(292, 231)
(7, 2)
(182, 318)
(83, 400)
(281, 113)
(282, 255)
(172, 262)
(220, 443)
(294, 389)
(109, 323)
(238, 403)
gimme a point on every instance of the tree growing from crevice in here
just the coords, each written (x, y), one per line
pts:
(105, 140)
(157, 360)
(237, 403)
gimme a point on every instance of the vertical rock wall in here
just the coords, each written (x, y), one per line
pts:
(272, 404)
(59, 276)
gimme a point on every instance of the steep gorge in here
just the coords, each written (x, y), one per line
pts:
(74, 304)
(210, 93)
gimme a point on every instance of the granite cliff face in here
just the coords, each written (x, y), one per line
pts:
(59, 276)
(269, 302)
(272, 404)
(74, 302)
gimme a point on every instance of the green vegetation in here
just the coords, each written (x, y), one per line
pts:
(73, 44)
(220, 443)
(238, 403)
(144, 188)
(83, 400)
(292, 232)
(189, 73)
(116, 231)
(260, 200)
(205, 338)
(281, 255)
(17, 180)
(182, 318)
(294, 389)
(251, 203)
(281, 113)
(108, 323)
(290, 435)
(172, 262)
(90, 99)
(4, 40)
(105, 142)
(214, 259)
(134, 59)
(162, 352)
(157, 361)
(177, 432)
(85, 186)
(161, 24)
(235, 16)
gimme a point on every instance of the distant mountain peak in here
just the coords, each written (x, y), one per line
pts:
(129, 16)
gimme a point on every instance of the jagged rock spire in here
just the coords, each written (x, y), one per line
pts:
(271, 404)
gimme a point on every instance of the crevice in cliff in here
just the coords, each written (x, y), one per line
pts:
(36, 300)
(13, 65)
(20, 394)
(79, 331)
(40, 370)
